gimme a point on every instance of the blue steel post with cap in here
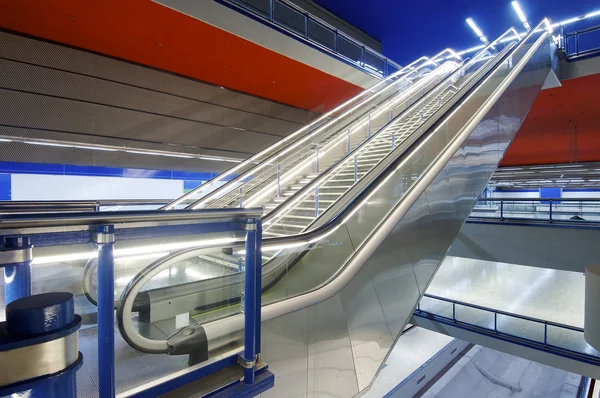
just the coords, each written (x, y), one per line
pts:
(258, 286)
(250, 310)
(105, 238)
(38, 347)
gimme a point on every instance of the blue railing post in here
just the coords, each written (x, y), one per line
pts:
(306, 17)
(104, 239)
(258, 288)
(545, 334)
(501, 210)
(17, 267)
(550, 202)
(250, 303)
(495, 322)
(454, 312)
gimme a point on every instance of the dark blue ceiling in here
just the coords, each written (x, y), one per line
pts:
(409, 29)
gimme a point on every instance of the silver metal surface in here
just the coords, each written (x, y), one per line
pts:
(472, 153)
(298, 146)
(376, 271)
(15, 256)
(134, 219)
(247, 364)
(38, 360)
(103, 238)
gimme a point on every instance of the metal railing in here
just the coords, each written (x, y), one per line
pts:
(567, 210)
(559, 338)
(581, 43)
(301, 24)
(102, 229)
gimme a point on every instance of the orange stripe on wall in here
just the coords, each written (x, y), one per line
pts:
(145, 32)
(544, 136)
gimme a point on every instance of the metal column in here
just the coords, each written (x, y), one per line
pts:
(17, 256)
(251, 299)
(105, 238)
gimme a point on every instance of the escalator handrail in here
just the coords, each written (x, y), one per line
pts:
(298, 302)
(329, 288)
(297, 136)
(311, 186)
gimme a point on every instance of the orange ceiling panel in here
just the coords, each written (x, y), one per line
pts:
(544, 137)
(148, 33)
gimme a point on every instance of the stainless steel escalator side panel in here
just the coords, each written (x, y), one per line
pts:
(379, 299)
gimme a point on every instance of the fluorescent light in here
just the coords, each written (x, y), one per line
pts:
(474, 26)
(63, 258)
(477, 31)
(142, 152)
(177, 156)
(47, 144)
(95, 148)
(220, 159)
(142, 256)
(150, 251)
(521, 14)
(5, 140)
(592, 14)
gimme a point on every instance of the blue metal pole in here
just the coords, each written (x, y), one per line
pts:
(250, 313)
(17, 274)
(105, 238)
(258, 284)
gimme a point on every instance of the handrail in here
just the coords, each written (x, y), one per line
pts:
(315, 182)
(539, 199)
(545, 344)
(66, 203)
(292, 156)
(217, 329)
(577, 52)
(279, 147)
(64, 222)
(270, 18)
(500, 312)
(547, 206)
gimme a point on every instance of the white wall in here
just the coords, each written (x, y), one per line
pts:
(581, 194)
(515, 195)
(59, 187)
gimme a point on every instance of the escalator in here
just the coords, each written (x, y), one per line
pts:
(309, 152)
(350, 251)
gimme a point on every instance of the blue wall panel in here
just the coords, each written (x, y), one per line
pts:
(97, 171)
(5, 187)
(550, 193)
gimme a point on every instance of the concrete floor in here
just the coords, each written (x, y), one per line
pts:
(482, 372)
(411, 350)
(544, 294)
(552, 295)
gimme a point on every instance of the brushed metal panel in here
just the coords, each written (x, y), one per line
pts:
(285, 349)
(25, 49)
(79, 117)
(20, 132)
(331, 366)
(19, 152)
(67, 85)
(367, 325)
